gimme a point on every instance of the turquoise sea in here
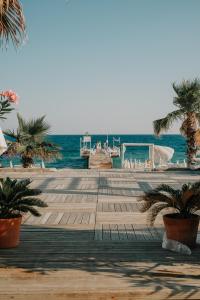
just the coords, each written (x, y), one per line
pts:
(70, 145)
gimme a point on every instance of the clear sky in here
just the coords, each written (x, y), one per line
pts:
(102, 65)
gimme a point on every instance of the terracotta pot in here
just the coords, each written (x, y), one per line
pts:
(9, 232)
(182, 230)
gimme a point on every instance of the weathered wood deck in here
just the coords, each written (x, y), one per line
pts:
(99, 160)
(91, 242)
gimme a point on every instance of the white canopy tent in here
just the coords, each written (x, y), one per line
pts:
(162, 154)
(3, 145)
(157, 154)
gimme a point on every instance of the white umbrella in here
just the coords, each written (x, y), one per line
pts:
(162, 153)
(3, 145)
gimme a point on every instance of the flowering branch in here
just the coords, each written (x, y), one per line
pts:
(7, 98)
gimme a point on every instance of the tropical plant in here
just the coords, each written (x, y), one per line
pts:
(187, 101)
(185, 201)
(12, 22)
(7, 98)
(16, 198)
(29, 142)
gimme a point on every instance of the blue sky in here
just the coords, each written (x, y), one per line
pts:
(102, 65)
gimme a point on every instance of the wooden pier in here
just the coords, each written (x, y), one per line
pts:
(99, 160)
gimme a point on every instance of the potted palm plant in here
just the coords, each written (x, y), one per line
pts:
(182, 222)
(16, 199)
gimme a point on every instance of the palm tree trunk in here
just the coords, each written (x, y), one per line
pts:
(191, 142)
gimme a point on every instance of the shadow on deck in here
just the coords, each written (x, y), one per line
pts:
(135, 264)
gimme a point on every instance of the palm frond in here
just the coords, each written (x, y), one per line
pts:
(188, 95)
(12, 22)
(32, 201)
(169, 190)
(193, 204)
(195, 186)
(164, 124)
(32, 210)
(33, 130)
(154, 196)
(5, 107)
(154, 211)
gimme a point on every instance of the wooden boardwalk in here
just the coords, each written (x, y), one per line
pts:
(91, 242)
(99, 160)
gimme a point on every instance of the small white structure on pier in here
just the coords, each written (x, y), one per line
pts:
(85, 145)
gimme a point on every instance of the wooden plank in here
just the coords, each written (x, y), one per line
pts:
(52, 218)
(130, 232)
(25, 218)
(123, 207)
(30, 219)
(92, 218)
(64, 219)
(72, 218)
(79, 218)
(117, 207)
(100, 206)
(106, 232)
(122, 232)
(114, 232)
(45, 217)
(86, 218)
(111, 207)
(58, 218)
(142, 232)
(98, 232)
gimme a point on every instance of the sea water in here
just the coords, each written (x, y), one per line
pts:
(70, 145)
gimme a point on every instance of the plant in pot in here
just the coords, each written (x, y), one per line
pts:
(181, 224)
(16, 199)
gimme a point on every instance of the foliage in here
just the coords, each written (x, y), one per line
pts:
(7, 98)
(17, 198)
(12, 22)
(187, 101)
(184, 201)
(5, 108)
(29, 141)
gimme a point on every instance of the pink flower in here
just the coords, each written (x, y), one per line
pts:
(11, 96)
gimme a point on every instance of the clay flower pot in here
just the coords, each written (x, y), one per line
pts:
(9, 232)
(182, 230)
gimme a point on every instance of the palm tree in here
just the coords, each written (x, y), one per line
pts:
(12, 22)
(29, 141)
(187, 101)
